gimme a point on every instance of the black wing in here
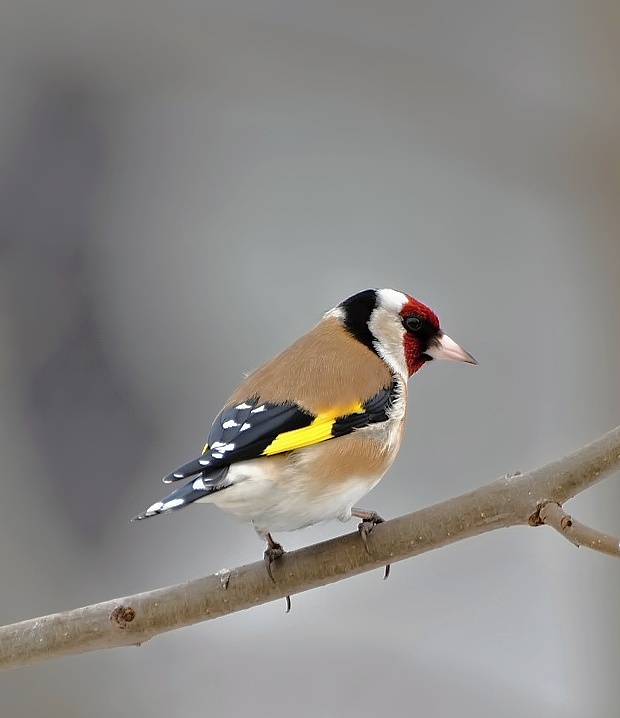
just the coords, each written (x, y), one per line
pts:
(252, 429)
(243, 432)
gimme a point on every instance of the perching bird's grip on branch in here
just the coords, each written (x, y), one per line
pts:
(522, 499)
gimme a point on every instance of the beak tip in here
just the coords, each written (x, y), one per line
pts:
(447, 348)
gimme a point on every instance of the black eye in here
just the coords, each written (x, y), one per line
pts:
(413, 323)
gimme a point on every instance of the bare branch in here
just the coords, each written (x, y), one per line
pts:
(579, 534)
(509, 501)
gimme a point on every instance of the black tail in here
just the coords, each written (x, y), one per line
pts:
(196, 489)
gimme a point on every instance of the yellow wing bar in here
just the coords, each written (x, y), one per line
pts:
(319, 430)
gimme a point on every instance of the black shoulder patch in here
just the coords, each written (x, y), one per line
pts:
(357, 311)
(375, 411)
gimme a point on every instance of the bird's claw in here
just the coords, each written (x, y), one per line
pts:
(366, 526)
(369, 520)
(273, 551)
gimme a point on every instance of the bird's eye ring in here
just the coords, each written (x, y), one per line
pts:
(413, 323)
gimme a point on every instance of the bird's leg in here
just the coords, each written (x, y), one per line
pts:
(273, 551)
(369, 520)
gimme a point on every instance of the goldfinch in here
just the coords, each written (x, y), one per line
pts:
(313, 430)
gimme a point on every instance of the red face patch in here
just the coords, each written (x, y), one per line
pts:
(416, 342)
(414, 307)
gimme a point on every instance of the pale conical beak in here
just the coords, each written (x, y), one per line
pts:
(443, 347)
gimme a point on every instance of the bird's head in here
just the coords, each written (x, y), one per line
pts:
(404, 332)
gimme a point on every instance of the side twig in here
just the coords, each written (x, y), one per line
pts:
(577, 533)
(509, 501)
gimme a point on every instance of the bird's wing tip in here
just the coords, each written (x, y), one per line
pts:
(184, 472)
(175, 476)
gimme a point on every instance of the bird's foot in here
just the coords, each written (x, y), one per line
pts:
(369, 520)
(273, 551)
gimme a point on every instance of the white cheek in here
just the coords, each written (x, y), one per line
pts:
(390, 333)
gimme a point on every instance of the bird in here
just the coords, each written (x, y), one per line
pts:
(310, 432)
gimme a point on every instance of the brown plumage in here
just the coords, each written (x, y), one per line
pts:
(310, 432)
(323, 368)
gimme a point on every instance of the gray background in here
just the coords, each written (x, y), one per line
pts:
(186, 186)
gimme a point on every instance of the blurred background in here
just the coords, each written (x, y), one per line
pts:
(185, 187)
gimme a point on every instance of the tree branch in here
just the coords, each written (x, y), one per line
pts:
(512, 500)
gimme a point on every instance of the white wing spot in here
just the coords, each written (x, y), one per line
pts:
(199, 484)
(202, 462)
(218, 444)
(172, 504)
(217, 455)
(155, 508)
(245, 427)
(258, 409)
(228, 447)
(243, 406)
(231, 423)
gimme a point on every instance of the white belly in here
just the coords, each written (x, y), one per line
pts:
(283, 504)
